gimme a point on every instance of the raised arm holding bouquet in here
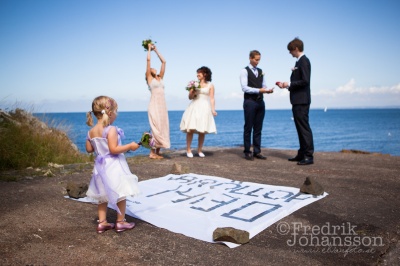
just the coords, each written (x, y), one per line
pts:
(145, 44)
(157, 110)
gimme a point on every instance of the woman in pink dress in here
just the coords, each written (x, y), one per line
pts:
(157, 110)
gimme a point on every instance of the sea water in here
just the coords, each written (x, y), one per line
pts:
(372, 130)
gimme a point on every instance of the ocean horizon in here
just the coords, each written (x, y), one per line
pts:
(366, 129)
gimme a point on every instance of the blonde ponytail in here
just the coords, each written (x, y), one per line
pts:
(89, 119)
(106, 118)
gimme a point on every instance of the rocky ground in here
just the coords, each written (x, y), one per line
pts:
(38, 226)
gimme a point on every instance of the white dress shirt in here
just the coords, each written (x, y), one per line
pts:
(243, 82)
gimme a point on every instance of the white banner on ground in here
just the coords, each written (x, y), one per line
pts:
(195, 205)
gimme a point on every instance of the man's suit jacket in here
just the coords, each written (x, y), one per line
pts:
(300, 82)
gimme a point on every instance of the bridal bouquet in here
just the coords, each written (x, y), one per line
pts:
(145, 43)
(192, 85)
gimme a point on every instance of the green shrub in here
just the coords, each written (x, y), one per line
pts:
(26, 141)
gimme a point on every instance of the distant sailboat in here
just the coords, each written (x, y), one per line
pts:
(326, 109)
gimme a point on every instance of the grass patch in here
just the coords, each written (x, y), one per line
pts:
(26, 141)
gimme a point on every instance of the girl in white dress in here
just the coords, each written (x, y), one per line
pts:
(112, 181)
(199, 115)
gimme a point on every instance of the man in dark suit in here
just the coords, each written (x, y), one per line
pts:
(300, 98)
(252, 80)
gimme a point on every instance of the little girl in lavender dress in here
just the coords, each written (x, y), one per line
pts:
(112, 180)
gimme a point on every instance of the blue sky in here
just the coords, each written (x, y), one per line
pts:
(58, 55)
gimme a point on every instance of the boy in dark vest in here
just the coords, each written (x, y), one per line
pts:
(253, 85)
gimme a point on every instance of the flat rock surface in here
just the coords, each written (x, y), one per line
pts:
(38, 226)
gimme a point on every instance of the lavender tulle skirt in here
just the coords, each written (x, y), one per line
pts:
(112, 180)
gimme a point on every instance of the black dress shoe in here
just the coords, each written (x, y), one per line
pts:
(296, 159)
(248, 156)
(260, 156)
(306, 161)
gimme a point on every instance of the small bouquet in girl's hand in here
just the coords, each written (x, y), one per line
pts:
(192, 85)
(147, 140)
(145, 43)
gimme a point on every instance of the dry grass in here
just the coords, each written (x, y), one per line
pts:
(25, 141)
